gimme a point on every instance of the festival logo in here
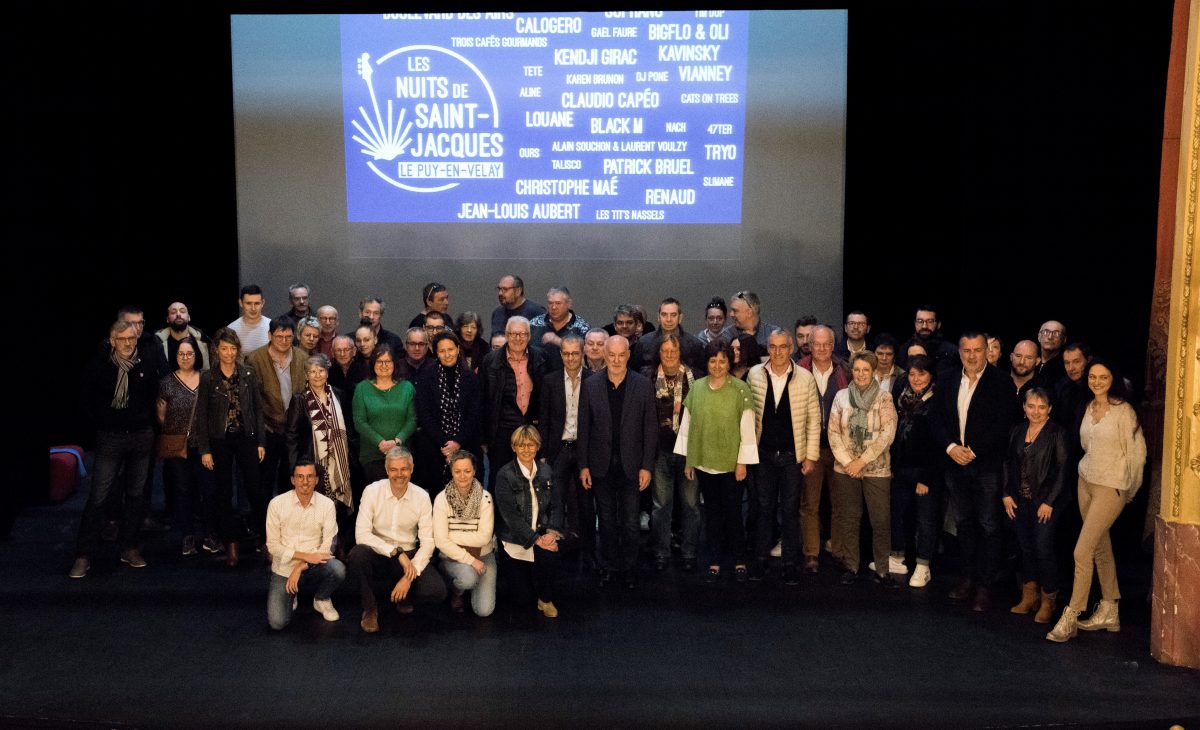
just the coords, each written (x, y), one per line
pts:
(428, 120)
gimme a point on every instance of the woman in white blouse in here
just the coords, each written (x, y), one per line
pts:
(463, 519)
(531, 523)
(1109, 476)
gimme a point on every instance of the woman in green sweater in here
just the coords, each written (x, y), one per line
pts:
(716, 435)
(384, 413)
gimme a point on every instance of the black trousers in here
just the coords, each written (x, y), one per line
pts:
(723, 517)
(617, 502)
(242, 451)
(524, 581)
(429, 586)
(579, 503)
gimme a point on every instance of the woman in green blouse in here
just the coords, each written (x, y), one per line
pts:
(716, 435)
(384, 413)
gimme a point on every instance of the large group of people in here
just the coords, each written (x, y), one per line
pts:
(440, 463)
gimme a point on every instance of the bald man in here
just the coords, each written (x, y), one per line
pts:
(618, 443)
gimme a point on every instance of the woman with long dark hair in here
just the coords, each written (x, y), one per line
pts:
(448, 410)
(176, 410)
(469, 329)
(1110, 474)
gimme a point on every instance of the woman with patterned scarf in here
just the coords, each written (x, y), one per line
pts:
(862, 424)
(463, 521)
(317, 429)
(448, 404)
(672, 380)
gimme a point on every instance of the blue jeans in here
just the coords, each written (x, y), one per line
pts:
(116, 450)
(326, 576)
(1038, 561)
(975, 495)
(482, 587)
(778, 491)
(669, 479)
(904, 495)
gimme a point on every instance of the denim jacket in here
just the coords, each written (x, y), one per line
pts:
(516, 510)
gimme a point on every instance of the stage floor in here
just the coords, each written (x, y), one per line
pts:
(184, 643)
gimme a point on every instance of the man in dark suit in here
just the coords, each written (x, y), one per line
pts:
(972, 418)
(559, 427)
(618, 432)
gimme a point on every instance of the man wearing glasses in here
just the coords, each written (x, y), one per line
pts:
(119, 393)
(512, 379)
(927, 332)
(416, 352)
(1052, 336)
(854, 335)
(327, 317)
(281, 374)
(510, 291)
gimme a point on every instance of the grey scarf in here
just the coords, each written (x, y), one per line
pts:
(120, 399)
(861, 401)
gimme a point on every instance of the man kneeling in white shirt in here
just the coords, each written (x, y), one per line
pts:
(394, 532)
(300, 528)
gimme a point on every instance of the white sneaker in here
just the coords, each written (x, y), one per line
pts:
(777, 551)
(326, 609)
(896, 565)
(644, 522)
(920, 577)
(871, 566)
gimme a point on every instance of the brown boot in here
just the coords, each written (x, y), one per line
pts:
(370, 620)
(1046, 611)
(231, 553)
(1029, 598)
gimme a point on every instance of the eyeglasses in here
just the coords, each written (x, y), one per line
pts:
(187, 355)
(505, 288)
(516, 335)
(414, 344)
(383, 362)
(920, 321)
(1050, 333)
(127, 340)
